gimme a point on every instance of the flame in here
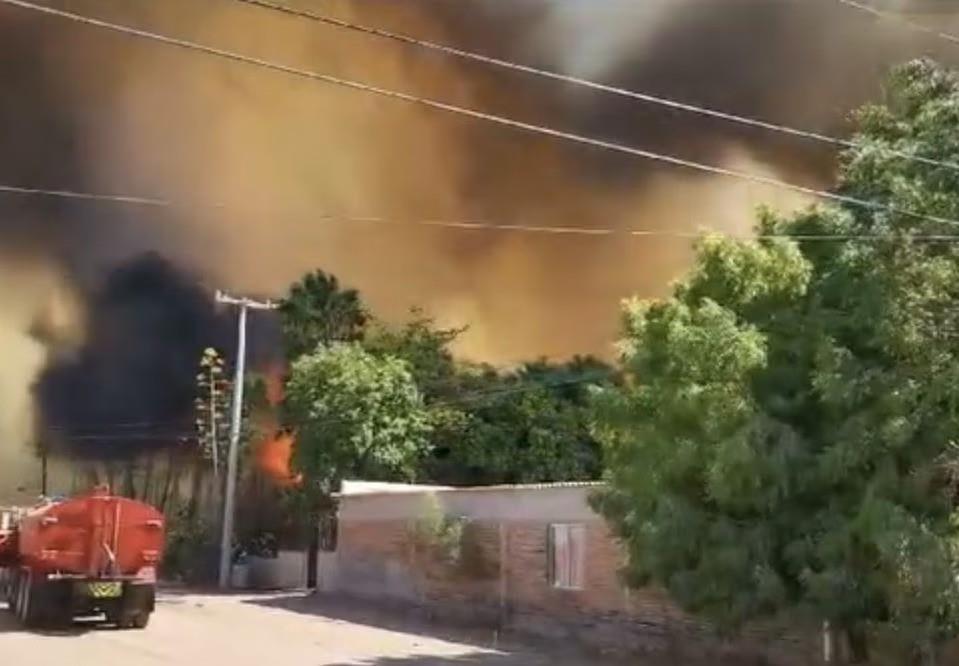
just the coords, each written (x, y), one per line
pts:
(274, 454)
(273, 458)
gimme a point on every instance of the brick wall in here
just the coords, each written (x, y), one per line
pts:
(380, 559)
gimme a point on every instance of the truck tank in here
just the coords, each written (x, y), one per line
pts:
(92, 554)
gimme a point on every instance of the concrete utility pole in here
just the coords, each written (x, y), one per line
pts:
(229, 504)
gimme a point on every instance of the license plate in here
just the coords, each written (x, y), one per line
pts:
(105, 590)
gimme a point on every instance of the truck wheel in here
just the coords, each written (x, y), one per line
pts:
(136, 620)
(13, 591)
(23, 599)
(33, 608)
(21, 596)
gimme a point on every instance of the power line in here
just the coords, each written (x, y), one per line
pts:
(70, 194)
(477, 225)
(480, 115)
(587, 83)
(521, 385)
(898, 18)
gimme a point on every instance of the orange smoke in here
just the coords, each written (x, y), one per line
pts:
(274, 454)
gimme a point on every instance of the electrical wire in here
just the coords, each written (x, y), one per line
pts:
(475, 225)
(480, 115)
(523, 385)
(898, 18)
(586, 83)
(70, 194)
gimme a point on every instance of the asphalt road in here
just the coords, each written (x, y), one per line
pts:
(285, 630)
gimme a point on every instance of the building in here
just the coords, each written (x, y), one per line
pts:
(534, 559)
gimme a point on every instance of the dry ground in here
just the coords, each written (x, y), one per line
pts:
(282, 630)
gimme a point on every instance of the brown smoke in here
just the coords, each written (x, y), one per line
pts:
(122, 115)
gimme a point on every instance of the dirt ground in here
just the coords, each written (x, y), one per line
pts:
(291, 630)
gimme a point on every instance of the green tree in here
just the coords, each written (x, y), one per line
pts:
(425, 348)
(319, 311)
(784, 439)
(529, 425)
(356, 415)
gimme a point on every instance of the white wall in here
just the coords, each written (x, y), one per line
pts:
(495, 504)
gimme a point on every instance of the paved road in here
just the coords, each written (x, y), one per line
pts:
(190, 629)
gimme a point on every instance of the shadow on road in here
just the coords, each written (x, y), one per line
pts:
(478, 659)
(491, 648)
(10, 625)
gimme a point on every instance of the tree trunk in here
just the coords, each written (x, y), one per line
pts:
(110, 474)
(148, 479)
(168, 481)
(196, 489)
(858, 644)
(831, 653)
(129, 482)
(926, 654)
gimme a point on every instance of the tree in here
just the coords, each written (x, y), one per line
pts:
(318, 311)
(780, 443)
(213, 403)
(529, 426)
(490, 427)
(424, 347)
(357, 415)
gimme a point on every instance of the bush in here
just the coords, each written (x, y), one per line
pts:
(190, 542)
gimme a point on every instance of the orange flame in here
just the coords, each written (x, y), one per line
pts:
(273, 458)
(274, 454)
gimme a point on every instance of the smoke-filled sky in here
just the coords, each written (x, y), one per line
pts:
(257, 159)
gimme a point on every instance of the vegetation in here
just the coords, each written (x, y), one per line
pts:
(318, 311)
(357, 415)
(784, 439)
(213, 403)
(451, 545)
(524, 426)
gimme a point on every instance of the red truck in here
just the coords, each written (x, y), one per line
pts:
(94, 554)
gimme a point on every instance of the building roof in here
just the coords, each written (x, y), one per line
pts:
(357, 488)
(352, 488)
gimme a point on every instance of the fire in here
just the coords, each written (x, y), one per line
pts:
(274, 454)
(273, 459)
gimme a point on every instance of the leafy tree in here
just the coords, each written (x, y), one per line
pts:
(356, 415)
(425, 348)
(530, 425)
(784, 440)
(319, 311)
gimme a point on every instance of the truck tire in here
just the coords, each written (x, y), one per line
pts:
(33, 607)
(134, 620)
(20, 601)
(13, 593)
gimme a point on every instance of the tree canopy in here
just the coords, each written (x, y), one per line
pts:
(356, 415)
(783, 440)
(490, 427)
(319, 311)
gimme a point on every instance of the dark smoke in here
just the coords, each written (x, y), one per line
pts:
(135, 375)
(83, 110)
(133, 384)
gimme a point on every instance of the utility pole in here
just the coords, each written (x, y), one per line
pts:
(229, 504)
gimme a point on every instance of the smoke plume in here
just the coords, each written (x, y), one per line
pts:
(101, 308)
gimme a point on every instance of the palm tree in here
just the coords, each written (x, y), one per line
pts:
(318, 311)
